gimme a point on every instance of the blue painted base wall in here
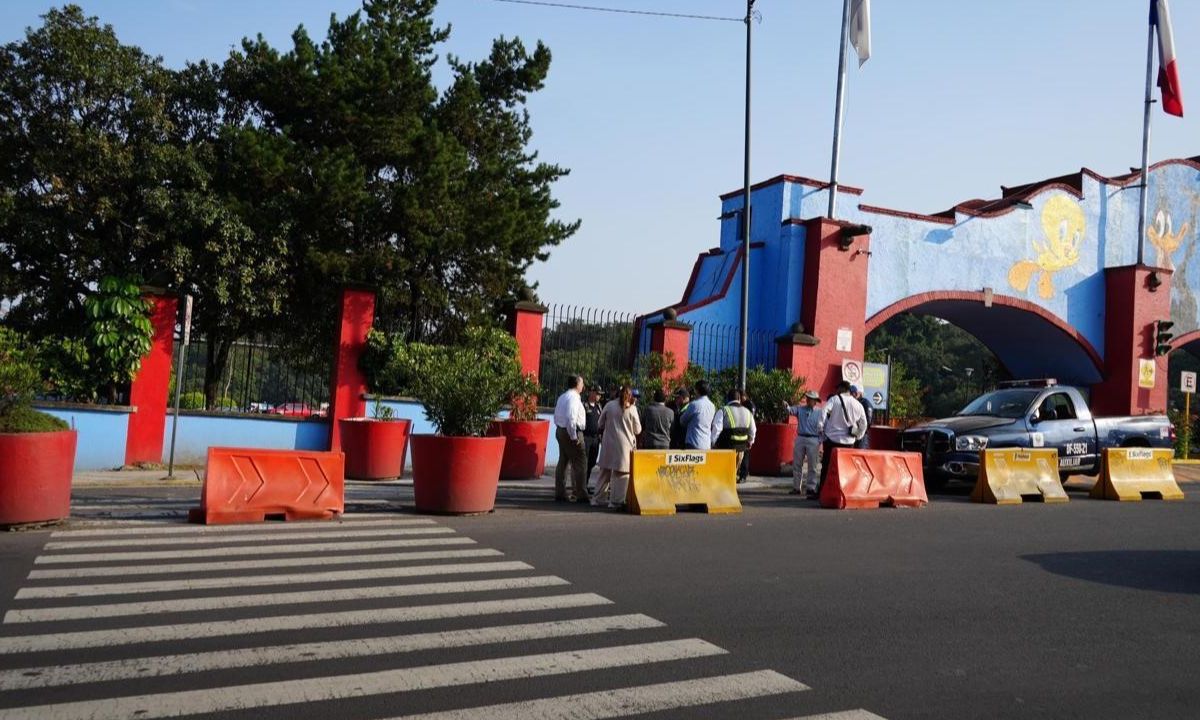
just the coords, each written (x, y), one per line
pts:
(102, 434)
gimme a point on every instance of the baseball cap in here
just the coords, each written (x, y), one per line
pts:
(853, 388)
(637, 393)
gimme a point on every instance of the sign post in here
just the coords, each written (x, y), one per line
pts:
(1187, 383)
(187, 336)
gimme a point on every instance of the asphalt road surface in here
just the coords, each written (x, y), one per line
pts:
(1084, 610)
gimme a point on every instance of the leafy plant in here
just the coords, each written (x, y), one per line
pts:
(191, 400)
(118, 332)
(20, 380)
(383, 412)
(523, 403)
(66, 368)
(772, 391)
(462, 386)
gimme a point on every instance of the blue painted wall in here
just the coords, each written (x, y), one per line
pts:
(102, 433)
(1050, 250)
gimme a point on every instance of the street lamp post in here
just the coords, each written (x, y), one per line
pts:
(745, 314)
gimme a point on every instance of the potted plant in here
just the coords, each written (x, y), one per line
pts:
(375, 446)
(772, 391)
(462, 387)
(37, 451)
(525, 451)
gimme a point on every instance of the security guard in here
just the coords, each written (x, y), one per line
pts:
(734, 428)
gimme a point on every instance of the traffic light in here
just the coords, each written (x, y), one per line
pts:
(1162, 337)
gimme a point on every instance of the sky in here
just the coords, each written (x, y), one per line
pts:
(957, 99)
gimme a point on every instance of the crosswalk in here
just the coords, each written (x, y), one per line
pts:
(373, 617)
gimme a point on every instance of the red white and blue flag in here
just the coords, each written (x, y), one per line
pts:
(1168, 71)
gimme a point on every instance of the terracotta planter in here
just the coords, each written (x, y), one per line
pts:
(456, 475)
(772, 448)
(374, 449)
(35, 476)
(525, 451)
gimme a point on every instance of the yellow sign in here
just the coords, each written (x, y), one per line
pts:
(1006, 474)
(661, 479)
(1146, 374)
(1131, 473)
(873, 376)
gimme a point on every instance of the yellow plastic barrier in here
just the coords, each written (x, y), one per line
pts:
(1130, 473)
(1005, 474)
(661, 479)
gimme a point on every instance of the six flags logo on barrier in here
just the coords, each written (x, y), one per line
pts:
(685, 458)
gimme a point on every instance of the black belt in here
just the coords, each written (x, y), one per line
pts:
(804, 435)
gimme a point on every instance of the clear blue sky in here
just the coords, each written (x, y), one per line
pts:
(957, 99)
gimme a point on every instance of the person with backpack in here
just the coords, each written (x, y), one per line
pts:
(734, 429)
(843, 424)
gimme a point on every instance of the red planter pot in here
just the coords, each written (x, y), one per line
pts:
(374, 449)
(35, 476)
(772, 448)
(525, 451)
(456, 475)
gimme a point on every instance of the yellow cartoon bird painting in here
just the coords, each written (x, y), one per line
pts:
(1164, 240)
(1062, 224)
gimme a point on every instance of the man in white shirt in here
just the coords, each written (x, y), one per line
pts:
(570, 419)
(843, 424)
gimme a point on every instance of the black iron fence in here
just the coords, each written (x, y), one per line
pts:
(716, 347)
(259, 377)
(588, 341)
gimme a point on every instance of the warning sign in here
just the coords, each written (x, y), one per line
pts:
(1146, 373)
(852, 371)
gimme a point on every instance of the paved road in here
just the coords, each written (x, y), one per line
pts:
(1085, 610)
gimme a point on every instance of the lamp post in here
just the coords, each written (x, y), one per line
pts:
(745, 309)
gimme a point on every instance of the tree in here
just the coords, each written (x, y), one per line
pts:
(431, 197)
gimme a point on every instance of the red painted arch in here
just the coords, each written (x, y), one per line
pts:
(911, 303)
(1185, 339)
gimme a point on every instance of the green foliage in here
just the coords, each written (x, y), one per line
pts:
(118, 330)
(385, 364)
(462, 386)
(19, 376)
(772, 391)
(905, 398)
(524, 399)
(24, 419)
(383, 412)
(66, 368)
(1183, 432)
(599, 351)
(191, 401)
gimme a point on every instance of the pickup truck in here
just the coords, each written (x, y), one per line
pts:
(1030, 415)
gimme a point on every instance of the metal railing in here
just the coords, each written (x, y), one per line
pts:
(715, 346)
(259, 377)
(585, 341)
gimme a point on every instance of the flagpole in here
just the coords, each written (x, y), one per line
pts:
(745, 315)
(837, 112)
(1145, 198)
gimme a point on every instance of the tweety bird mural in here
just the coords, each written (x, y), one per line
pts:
(1062, 224)
(1164, 240)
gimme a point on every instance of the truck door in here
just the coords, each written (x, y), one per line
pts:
(1059, 426)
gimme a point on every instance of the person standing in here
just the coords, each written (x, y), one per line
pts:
(619, 427)
(843, 423)
(734, 429)
(570, 419)
(591, 428)
(678, 430)
(869, 411)
(808, 444)
(698, 418)
(657, 420)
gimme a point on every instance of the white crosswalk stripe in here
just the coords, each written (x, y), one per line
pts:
(360, 574)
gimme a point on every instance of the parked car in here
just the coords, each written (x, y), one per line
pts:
(1029, 414)
(260, 407)
(294, 409)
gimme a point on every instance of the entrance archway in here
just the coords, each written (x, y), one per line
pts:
(1029, 341)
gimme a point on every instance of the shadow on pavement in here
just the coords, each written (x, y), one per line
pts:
(1173, 571)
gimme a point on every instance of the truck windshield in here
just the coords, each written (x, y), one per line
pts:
(1002, 403)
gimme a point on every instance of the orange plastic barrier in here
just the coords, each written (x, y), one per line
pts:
(246, 485)
(870, 478)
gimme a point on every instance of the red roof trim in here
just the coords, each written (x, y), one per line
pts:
(942, 219)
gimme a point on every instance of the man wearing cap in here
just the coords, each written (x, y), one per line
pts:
(868, 410)
(591, 430)
(807, 448)
(843, 423)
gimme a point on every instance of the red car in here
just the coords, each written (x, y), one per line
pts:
(294, 409)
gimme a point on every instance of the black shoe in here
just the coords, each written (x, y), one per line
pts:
(794, 491)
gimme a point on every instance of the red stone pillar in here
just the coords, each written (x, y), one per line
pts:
(834, 300)
(349, 383)
(149, 389)
(671, 338)
(1135, 296)
(525, 323)
(795, 351)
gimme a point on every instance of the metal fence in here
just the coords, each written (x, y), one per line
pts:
(259, 377)
(585, 341)
(716, 346)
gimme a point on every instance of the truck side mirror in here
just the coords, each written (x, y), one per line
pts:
(1035, 418)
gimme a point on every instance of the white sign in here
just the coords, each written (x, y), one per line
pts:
(686, 458)
(845, 340)
(1187, 382)
(1037, 440)
(187, 319)
(1139, 454)
(852, 371)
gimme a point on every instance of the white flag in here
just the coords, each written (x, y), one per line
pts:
(860, 29)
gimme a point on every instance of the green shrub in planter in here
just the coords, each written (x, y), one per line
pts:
(771, 391)
(20, 379)
(464, 386)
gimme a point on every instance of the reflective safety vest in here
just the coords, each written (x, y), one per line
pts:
(735, 435)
